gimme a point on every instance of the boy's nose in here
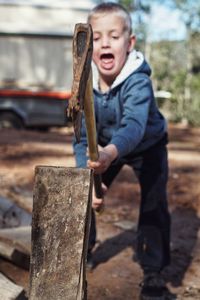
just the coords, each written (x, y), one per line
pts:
(105, 42)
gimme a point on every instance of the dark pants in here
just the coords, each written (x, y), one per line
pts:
(153, 235)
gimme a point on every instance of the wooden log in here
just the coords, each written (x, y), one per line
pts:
(15, 244)
(61, 216)
(9, 290)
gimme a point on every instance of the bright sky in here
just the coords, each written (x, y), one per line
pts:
(165, 23)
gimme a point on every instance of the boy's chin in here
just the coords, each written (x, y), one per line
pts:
(109, 75)
(107, 72)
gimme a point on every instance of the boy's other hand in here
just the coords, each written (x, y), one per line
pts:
(98, 203)
(106, 156)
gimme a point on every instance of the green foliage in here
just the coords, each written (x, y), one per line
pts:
(190, 12)
(129, 4)
(170, 73)
(193, 110)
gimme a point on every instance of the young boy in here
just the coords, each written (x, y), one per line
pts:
(130, 131)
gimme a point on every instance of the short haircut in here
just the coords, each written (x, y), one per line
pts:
(110, 7)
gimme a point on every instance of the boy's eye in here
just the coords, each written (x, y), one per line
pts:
(115, 37)
(96, 38)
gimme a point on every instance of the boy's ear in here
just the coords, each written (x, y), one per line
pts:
(132, 40)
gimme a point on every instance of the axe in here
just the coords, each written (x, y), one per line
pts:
(82, 94)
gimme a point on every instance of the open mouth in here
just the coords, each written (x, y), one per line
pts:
(107, 56)
(107, 61)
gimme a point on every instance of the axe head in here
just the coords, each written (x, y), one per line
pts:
(82, 58)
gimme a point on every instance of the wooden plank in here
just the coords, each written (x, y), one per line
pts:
(15, 245)
(16, 274)
(61, 216)
(19, 235)
(9, 290)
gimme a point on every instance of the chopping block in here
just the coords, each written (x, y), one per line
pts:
(60, 226)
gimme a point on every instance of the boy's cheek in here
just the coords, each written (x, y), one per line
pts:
(94, 57)
(95, 51)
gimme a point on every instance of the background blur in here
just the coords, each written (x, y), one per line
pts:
(169, 34)
(35, 82)
(36, 42)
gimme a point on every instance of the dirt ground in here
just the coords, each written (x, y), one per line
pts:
(116, 275)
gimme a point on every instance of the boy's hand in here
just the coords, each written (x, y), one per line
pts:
(102, 164)
(98, 203)
(106, 156)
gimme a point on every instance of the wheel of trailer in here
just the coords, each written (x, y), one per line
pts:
(10, 120)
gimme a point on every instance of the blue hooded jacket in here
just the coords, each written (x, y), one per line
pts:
(127, 115)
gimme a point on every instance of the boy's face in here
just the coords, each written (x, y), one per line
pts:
(111, 44)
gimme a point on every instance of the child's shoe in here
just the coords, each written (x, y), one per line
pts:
(153, 287)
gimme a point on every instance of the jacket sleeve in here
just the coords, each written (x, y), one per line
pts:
(80, 149)
(136, 98)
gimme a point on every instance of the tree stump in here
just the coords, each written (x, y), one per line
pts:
(61, 218)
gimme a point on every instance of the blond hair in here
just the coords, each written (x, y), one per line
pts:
(110, 7)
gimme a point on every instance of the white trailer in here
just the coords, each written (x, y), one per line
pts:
(36, 60)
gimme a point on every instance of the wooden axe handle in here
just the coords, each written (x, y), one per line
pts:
(91, 132)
